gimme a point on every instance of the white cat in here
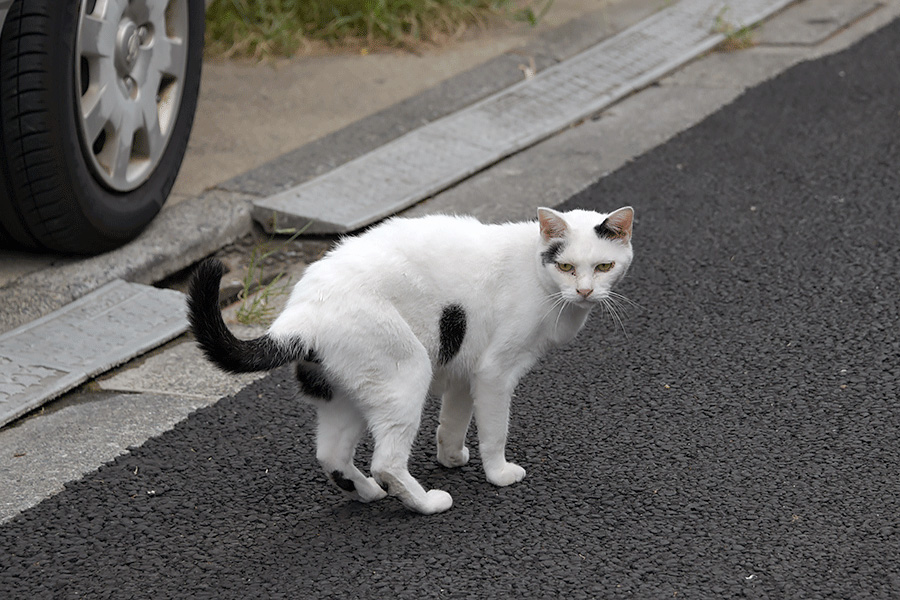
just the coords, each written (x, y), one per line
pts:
(440, 303)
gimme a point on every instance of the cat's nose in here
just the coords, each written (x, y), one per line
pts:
(584, 293)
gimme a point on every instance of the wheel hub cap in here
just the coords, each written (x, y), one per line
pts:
(130, 65)
(127, 44)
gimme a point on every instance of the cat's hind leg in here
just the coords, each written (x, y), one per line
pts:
(340, 428)
(389, 466)
(394, 411)
(456, 414)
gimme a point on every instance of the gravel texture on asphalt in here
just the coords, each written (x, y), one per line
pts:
(742, 440)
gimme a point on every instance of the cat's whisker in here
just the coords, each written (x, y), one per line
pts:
(551, 299)
(557, 300)
(613, 312)
(616, 318)
(622, 299)
(560, 303)
(559, 314)
(620, 303)
(619, 307)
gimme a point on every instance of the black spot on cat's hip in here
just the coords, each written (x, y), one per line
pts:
(313, 381)
(342, 482)
(452, 332)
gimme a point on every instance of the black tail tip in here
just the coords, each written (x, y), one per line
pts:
(209, 268)
(203, 295)
(207, 273)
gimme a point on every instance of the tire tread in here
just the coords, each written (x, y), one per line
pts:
(48, 196)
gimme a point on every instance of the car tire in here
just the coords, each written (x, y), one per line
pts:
(64, 185)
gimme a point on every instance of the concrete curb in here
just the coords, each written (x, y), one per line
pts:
(178, 238)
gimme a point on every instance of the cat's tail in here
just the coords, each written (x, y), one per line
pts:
(217, 342)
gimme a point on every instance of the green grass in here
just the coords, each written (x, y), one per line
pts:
(736, 38)
(266, 28)
(259, 291)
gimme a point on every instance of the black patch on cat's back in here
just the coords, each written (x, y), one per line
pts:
(549, 256)
(342, 482)
(312, 379)
(452, 331)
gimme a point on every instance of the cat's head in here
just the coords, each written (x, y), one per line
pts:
(585, 253)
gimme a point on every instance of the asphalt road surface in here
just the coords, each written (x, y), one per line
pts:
(743, 439)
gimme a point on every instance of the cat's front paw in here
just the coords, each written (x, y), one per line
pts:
(508, 474)
(451, 459)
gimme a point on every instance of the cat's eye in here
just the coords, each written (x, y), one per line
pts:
(604, 267)
(565, 267)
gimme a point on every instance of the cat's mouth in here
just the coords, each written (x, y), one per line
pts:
(582, 302)
(593, 299)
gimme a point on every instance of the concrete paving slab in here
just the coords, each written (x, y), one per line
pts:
(180, 370)
(53, 354)
(563, 165)
(811, 22)
(406, 170)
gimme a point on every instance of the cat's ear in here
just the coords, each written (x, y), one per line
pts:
(553, 226)
(617, 225)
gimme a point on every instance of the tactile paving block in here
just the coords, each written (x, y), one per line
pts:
(105, 328)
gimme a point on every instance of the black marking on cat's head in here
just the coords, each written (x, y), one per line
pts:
(452, 331)
(606, 231)
(342, 482)
(549, 256)
(617, 226)
(313, 381)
